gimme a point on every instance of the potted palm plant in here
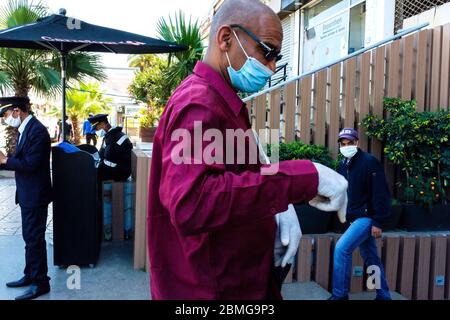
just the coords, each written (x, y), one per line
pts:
(418, 144)
(158, 76)
(148, 123)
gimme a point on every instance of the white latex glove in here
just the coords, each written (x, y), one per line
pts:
(332, 192)
(287, 238)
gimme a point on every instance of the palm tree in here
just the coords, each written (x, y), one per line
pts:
(22, 71)
(142, 61)
(183, 32)
(81, 101)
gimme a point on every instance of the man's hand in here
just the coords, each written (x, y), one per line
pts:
(3, 158)
(332, 192)
(376, 232)
(287, 238)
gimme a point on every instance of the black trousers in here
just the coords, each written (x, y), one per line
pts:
(93, 138)
(106, 173)
(276, 280)
(34, 223)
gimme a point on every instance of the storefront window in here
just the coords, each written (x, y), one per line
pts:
(357, 27)
(333, 29)
(317, 12)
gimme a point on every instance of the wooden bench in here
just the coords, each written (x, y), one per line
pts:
(416, 265)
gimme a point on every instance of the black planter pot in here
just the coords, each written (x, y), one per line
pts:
(416, 218)
(312, 220)
(393, 222)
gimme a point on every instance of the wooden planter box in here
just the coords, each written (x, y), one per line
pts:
(140, 168)
(147, 134)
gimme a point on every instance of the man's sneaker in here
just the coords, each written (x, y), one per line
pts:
(333, 297)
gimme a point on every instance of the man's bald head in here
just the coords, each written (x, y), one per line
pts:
(250, 14)
(231, 46)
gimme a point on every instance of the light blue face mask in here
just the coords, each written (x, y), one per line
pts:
(253, 75)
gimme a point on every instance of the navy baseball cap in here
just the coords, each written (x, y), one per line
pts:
(348, 133)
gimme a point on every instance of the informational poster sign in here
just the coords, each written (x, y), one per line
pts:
(326, 42)
(380, 20)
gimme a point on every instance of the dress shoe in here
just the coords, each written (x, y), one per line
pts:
(333, 297)
(34, 292)
(24, 282)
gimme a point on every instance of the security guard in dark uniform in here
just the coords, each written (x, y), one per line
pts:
(31, 164)
(115, 154)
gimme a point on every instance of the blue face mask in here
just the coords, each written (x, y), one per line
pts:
(253, 75)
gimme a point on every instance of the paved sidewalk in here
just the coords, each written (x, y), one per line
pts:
(10, 219)
(112, 279)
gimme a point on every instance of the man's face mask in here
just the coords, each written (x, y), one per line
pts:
(101, 133)
(349, 151)
(13, 122)
(253, 75)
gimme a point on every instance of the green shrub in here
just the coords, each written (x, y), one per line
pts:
(417, 142)
(150, 117)
(300, 151)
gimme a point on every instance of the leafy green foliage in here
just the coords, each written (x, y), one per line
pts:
(82, 100)
(184, 32)
(149, 84)
(159, 76)
(418, 142)
(150, 117)
(300, 151)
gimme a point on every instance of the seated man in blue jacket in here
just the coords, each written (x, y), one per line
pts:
(31, 164)
(369, 202)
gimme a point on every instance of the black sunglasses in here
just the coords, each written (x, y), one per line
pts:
(270, 53)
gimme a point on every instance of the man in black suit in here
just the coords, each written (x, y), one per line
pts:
(31, 164)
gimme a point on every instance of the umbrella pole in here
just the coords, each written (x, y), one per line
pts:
(64, 86)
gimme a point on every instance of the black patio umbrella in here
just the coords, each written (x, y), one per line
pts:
(65, 35)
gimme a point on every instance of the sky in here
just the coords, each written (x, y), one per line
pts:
(137, 16)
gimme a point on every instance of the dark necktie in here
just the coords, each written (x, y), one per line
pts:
(18, 140)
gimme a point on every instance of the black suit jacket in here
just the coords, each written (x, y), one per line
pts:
(31, 164)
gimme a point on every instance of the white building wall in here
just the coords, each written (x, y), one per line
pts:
(379, 24)
(435, 17)
(287, 49)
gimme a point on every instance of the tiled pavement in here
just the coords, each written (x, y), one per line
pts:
(10, 220)
(112, 279)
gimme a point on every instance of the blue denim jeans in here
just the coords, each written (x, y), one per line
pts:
(359, 234)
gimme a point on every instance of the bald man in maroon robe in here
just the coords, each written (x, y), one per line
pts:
(211, 224)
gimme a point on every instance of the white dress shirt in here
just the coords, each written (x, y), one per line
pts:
(23, 126)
